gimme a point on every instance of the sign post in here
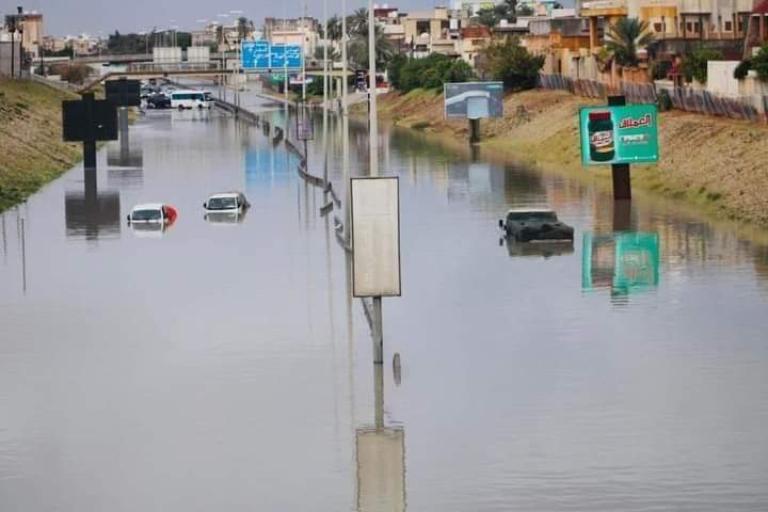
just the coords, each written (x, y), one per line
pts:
(619, 135)
(89, 120)
(376, 247)
(474, 101)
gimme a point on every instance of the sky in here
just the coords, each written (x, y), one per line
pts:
(72, 17)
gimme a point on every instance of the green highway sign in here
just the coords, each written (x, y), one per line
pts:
(619, 134)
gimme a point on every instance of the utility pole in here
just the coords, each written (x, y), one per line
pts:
(325, 92)
(373, 143)
(345, 121)
(304, 55)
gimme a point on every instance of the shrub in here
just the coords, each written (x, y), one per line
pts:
(760, 63)
(512, 64)
(72, 73)
(695, 64)
(742, 69)
(430, 72)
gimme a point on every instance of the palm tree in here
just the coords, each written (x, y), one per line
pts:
(334, 28)
(357, 22)
(625, 37)
(244, 27)
(358, 48)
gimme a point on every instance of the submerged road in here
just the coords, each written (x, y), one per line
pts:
(223, 366)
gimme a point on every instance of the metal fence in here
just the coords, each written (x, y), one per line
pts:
(750, 108)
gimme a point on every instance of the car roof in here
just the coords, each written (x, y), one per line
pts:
(531, 210)
(148, 206)
(224, 194)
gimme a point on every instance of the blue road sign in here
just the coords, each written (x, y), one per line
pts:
(261, 55)
(255, 55)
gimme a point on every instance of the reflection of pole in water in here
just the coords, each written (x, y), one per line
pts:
(380, 456)
(5, 242)
(378, 389)
(23, 258)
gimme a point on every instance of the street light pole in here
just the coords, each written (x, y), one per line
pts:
(345, 123)
(325, 92)
(373, 143)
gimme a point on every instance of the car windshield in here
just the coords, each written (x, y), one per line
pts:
(533, 216)
(145, 215)
(222, 203)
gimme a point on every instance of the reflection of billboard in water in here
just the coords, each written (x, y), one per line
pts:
(621, 262)
(92, 216)
(474, 100)
(380, 469)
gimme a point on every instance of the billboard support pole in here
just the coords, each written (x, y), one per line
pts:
(89, 145)
(474, 131)
(622, 185)
(378, 334)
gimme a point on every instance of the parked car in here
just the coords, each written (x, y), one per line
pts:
(226, 202)
(153, 213)
(529, 225)
(158, 100)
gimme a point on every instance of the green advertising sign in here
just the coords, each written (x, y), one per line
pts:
(619, 135)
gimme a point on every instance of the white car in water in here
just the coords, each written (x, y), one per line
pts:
(153, 213)
(226, 202)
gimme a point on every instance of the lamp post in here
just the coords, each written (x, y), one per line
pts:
(372, 116)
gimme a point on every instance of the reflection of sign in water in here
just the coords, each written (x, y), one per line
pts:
(622, 262)
(380, 469)
(619, 134)
(375, 237)
(474, 100)
(125, 155)
(90, 214)
(263, 167)
(263, 56)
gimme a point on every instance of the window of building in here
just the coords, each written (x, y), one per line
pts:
(689, 26)
(728, 26)
(657, 27)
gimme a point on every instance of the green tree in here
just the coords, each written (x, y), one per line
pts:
(244, 27)
(334, 28)
(512, 64)
(625, 37)
(695, 64)
(431, 72)
(488, 17)
(760, 63)
(358, 47)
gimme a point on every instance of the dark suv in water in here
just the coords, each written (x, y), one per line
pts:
(528, 225)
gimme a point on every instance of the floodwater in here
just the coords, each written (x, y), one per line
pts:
(221, 364)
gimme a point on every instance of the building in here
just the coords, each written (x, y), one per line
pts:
(469, 8)
(304, 31)
(28, 27)
(473, 40)
(671, 19)
(390, 19)
(435, 31)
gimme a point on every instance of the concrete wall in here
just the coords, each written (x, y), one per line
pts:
(198, 54)
(168, 55)
(720, 78)
(5, 58)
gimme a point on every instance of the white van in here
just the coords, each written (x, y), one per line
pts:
(182, 99)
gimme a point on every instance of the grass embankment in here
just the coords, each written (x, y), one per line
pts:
(31, 150)
(719, 164)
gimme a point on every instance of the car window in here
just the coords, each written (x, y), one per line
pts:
(145, 215)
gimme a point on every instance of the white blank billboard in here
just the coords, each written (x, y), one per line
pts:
(376, 237)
